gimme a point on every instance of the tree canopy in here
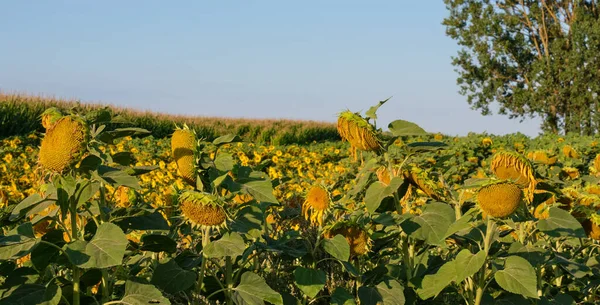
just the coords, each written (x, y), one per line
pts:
(533, 57)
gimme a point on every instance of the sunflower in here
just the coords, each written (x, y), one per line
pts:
(514, 167)
(201, 210)
(183, 148)
(63, 144)
(420, 179)
(499, 198)
(542, 157)
(356, 236)
(358, 132)
(318, 201)
(570, 152)
(50, 116)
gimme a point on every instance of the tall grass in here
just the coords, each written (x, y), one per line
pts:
(20, 115)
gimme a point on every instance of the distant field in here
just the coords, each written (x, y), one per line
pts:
(19, 115)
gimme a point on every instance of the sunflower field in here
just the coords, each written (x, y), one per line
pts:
(94, 213)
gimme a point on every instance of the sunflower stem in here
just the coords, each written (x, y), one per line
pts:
(487, 242)
(407, 257)
(228, 279)
(205, 241)
(75, 237)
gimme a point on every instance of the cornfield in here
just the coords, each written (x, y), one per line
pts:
(94, 212)
(20, 113)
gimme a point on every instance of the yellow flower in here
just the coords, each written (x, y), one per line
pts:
(8, 158)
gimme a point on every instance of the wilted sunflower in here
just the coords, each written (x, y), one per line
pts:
(420, 179)
(183, 147)
(125, 197)
(541, 156)
(201, 210)
(487, 142)
(592, 226)
(356, 235)
(541, 211)
(499, 199)
(516, 168)
(50, 116)
(358, 132)
(570, 172)
(596, 165)
(64, 144)
(242, 198)
(318, 201)
(3, 199)
(570, 152)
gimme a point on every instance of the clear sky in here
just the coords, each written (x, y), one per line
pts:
(255, 59)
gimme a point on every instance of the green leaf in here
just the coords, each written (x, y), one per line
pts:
(261, 191)
(154, 221)
(118, 178)
(171, 278)
(377, 191)
(372, 112)
(124, 158)
(468, 264)
(369, 296)
(107, 247)
(433, 284)
(230, 244)
(43, 254)
(534, 255)
(230, 138)
(25, 205)
(518, 277)
(337, 247)
(18, 242)
(249, 220)
(310, 281)
(391, 292)
(224, 162)
(158, 243)
(32, 294)
(434, 222)
(142, 294)
(561, 223)
(341, 296)
(402, 128)
(417, 147)
(254, 287)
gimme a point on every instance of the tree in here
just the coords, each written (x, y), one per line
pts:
(533, 57)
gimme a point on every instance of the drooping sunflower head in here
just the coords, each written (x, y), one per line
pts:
(570, 172)
(383, 175)
(593, 189)
(64, 144)
(125, 196)
(317, 202)
(596, 165)
(50, 116)
(242, 198)
(512, 166)
(542, 157)
(570, 152)
(487, 142)
(356, 235)
(500, 198)
(421, 180)
(592, 226)
(358, 132)
(201, 210)
(183, 148)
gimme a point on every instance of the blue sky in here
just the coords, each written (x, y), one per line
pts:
(255, 59)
